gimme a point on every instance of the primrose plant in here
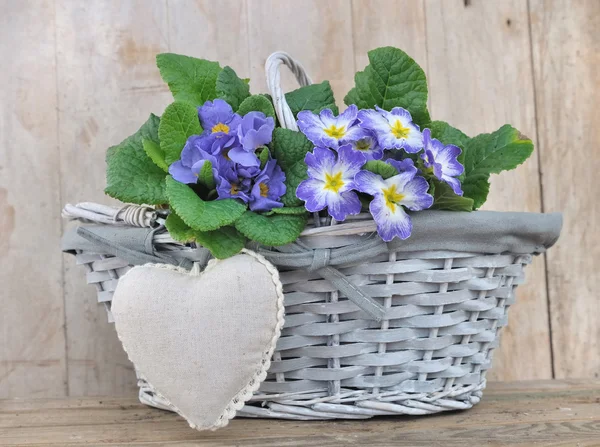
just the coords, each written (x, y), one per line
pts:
(227, 173)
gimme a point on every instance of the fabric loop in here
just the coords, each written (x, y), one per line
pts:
(321, 257)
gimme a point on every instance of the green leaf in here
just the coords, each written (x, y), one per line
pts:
(179, 122)
(206, 175)
(231, 88)
(293, 176)
(392, 79)
(493, 153)
(178, 229)
(273, 230)
(289, 147)
(190, 80)
(156, 154)
(314, 97)
(381, 168)
(258, 103)
(445, 199)
(477, 188)
(447, 134)
(264, 157)
(131, 176)
(222, 243)
(198, 214)
(289, 210)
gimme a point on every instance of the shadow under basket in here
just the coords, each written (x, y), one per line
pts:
(445, 293)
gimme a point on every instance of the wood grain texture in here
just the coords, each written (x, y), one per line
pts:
(315, 32)
(108, 85)
(32, 343)
(480, 77)
(510, 414)
(566, 55)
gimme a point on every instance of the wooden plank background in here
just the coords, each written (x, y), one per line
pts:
(79, 76)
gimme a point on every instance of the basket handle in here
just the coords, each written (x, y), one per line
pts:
(282, 109)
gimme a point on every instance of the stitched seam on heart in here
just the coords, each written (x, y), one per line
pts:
(242, 396)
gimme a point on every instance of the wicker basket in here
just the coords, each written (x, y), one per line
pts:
(444, 295)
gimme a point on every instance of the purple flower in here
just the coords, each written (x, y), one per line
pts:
(223, 147)
(326, 130)
(390, 196)
(195, 153)
(368, 146)
(268, 188)
(394, 130)
(406, 165)
(231, 186)
(217, 117)
(442, 161)
(331, 181)
(255, 130)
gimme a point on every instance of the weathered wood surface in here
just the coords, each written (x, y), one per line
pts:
(546, 413)
(566, 57)
(80, 76)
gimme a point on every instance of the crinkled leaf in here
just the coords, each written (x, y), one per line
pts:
(258, 103)
(178, 229)
(179, 122)
(131, 176)
(278, 229)
(381, 168)
(492, 153)
(445, 199)
(190, 80)
(231, 88)
(314, 97)
(392, 79)
(264, 157)
(293, 176)
(156, 154)
(198, 214)
(288, 210)
(222, 243)
(289, 147)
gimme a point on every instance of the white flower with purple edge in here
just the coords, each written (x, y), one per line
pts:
(390, 196)
(326, 130)
(217, 117)
(368, 146)
(331, 181)
(394, 130)
(442, 161)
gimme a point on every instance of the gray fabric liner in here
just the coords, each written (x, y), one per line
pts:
(485, 232)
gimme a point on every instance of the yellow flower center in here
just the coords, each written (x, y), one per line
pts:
(334, 182)
(399, 130)
(264, 189)
(336, 132)
(220, 127)
(392, 197)
(363, 145)
(234, 189)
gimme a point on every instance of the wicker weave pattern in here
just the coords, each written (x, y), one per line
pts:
(430, 354)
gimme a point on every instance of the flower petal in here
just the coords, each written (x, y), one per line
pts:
(369, 183)
(313, 193)
(320, 161)
(182, 173)
(239, 155)
(415, 194)
(391, 222)
(342, 205)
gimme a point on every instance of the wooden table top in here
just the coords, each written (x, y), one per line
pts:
(548, 413)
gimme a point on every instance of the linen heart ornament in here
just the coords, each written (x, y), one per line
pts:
(203, 341)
